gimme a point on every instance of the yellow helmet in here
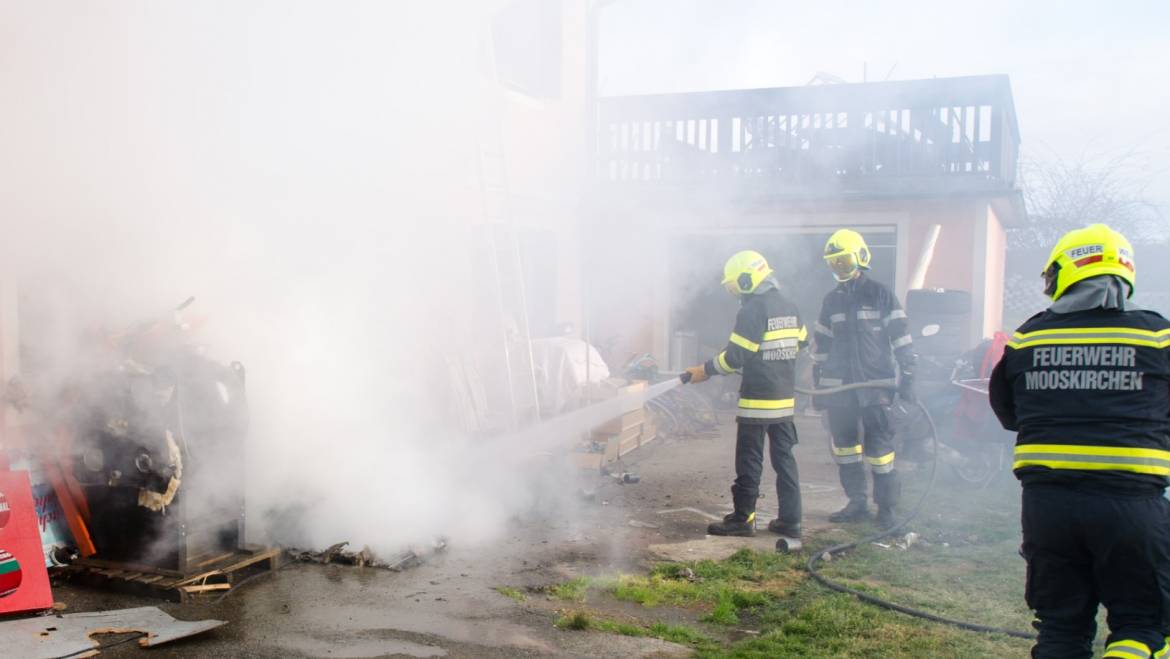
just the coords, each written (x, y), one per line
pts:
(846, 253)
(744, 272)
(1089, 252)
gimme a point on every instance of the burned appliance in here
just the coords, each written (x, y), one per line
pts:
(158, 454)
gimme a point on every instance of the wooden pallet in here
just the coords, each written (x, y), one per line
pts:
(216, 576)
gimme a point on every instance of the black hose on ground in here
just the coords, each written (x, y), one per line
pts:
(825, 554)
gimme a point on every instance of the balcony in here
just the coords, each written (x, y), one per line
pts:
(914, 138)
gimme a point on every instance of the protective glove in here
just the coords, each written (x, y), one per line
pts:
(906, 388)
(697, 373)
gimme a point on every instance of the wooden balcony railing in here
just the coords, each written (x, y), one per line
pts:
(914, 137)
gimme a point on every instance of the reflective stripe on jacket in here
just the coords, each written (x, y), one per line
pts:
(763, 346)
(859, 334)
(1089, 394)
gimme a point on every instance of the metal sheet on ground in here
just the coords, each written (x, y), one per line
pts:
(71, 635)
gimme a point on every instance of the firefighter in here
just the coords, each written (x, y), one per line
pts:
(860, 334)
(1086, 386)
(763, 346)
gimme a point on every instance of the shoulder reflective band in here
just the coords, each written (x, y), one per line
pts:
(847, 454)
(901, 341)
(721, 364)
(1127, 649)
(821, 329)
(1082, 335)
(894, 315)
(740, 341)
(1095, 458)
(883, 464)
(750, 408)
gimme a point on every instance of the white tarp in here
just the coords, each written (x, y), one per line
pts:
(560, 364)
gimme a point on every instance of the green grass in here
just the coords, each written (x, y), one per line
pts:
(573, 590)
(511, 593)
(965, 566)
(681, 634)
(577, 621)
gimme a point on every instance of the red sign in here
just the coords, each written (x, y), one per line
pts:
(24, 582)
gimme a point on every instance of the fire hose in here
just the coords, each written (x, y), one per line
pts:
(827, 554)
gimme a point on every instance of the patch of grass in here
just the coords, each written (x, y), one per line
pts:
(681, 634)
(968, 566)
(573, 590)
(818, 625)
(965, 566)
(512, 593)
(577, 621)
(623, 628)
(726, 588)
(581, 621)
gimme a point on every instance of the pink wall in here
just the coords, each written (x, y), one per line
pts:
(996, 257)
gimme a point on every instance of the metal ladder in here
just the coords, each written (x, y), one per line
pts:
(499, 239)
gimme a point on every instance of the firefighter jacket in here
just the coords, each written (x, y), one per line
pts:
(1088, 393)
(860, 333)
(763, 346)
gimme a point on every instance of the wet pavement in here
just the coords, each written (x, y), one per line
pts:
(448, 607)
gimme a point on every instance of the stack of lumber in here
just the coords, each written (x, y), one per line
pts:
(615, 438)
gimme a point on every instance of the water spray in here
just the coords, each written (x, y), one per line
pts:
(568, 427)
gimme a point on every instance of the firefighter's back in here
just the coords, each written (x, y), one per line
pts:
(1092, 392)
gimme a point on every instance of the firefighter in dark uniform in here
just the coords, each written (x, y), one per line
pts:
(1086, 385)
(859, 336)
(763, 346)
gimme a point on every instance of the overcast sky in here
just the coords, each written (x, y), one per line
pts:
(1087, 76)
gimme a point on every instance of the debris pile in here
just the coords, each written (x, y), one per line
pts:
(338, 554)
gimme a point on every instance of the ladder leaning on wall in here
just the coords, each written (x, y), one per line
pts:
(498, 246)
(500, 240)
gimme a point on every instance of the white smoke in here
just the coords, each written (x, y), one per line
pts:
(307, 171)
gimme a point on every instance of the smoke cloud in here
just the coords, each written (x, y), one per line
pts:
(307, 171)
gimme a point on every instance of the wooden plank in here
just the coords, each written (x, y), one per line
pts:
(191, 590)
(624, 422)
(135, 567)
(271, 553)
(594, 461)
(628, 444)
(215, 559)
(203, 576)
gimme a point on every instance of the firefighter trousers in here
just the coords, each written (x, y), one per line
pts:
(749, 467)
(862, 434)
(1085, 549)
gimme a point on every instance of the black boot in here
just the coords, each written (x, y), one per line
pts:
(737, 524)
(786, 530)
(887, 490)
(855, 511)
